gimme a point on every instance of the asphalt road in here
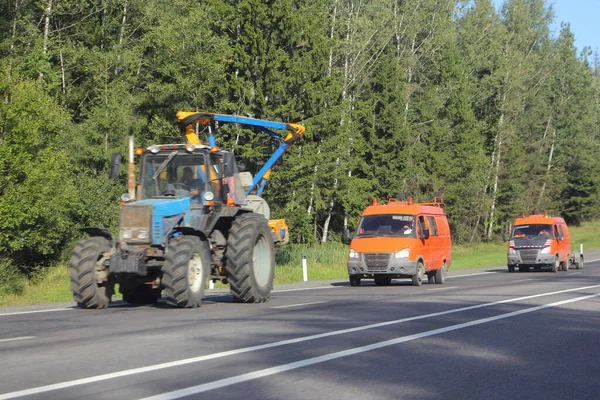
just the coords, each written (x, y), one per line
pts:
(485, 334)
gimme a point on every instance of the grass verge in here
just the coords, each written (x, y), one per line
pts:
(325, 262)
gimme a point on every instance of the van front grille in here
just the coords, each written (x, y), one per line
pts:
(529, 255)
(377, 261)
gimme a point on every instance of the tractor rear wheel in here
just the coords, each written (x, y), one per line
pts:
(250, 259)
(90, 283)
(186, 267)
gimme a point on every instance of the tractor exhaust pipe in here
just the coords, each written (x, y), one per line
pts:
(131, 171)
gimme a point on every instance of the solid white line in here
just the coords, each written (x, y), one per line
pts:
(443, 288)
(17, 338)
(357, 350)
(467, 275)
(156, 367)
(300, 305)
(35, 311)
(308, 288)
(523, 280)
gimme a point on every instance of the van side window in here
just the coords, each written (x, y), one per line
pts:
(432, 226)
(421, 223)
(558, 231)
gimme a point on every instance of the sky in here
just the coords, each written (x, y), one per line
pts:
(584, 17)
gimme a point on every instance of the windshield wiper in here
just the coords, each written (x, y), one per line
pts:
(160, 169)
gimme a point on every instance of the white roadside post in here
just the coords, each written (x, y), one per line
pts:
(304, 269)
(211, 284)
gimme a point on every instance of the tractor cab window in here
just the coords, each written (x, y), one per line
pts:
(386, 225)
(173, 174)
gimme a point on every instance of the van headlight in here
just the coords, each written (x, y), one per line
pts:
(545, 250)
(353, 255)
(512, 252)
(404, 253)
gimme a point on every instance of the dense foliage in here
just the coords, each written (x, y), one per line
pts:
(407, 96)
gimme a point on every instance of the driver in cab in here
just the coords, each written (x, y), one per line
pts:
(191, 184)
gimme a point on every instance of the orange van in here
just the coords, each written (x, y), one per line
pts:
(400, 239)
(539, 240)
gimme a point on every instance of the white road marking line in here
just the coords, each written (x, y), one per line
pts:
(308, 288)
(36, 311)
(156, 367)
(350, 352)
(574, 273)
(16, 338)
(467, 275)
(300, 305)
(443, 288)
(523, 280)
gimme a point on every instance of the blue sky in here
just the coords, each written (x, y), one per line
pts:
(584, 17)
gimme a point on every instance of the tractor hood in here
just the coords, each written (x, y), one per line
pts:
(166, 214)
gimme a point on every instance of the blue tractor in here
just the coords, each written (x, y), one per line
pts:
(189, 217)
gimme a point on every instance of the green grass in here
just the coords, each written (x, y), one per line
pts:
(325, 262)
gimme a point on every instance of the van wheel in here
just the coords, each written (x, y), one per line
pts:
(383, 281)
(511, 268)
(555, 266)
(417, 278)
(440, 275)
(354, 280)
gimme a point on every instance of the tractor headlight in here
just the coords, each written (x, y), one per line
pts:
(545, 250)
(125, 233)
(404, 253)
(353, 255)
(209, 196)
(512, 251)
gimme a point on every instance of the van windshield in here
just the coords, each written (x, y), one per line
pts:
(401, 225)
(532, 231)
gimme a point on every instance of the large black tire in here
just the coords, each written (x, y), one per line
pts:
(187, 263)
(417, 278)
(383, 281)
(139, 294)
(440, 275)
(354, 280)
(87, 255)
(250, 259)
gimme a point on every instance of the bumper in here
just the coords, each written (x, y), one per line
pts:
(540, 259)
(128, 261)
(401, 267)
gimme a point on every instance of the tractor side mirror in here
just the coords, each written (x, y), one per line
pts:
(228, 164)
(346, 237)
(115, 166)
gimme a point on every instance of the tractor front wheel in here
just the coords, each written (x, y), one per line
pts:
(90, 283)
(186, 267)
(250, 259)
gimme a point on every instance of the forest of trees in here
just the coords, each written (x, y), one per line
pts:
(412, 96)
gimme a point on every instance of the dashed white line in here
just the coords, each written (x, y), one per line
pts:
(523, 280)
(300, 305)
(17, 338)
(35, 311)
(443, 288)
(192, 360)
(357, 350)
